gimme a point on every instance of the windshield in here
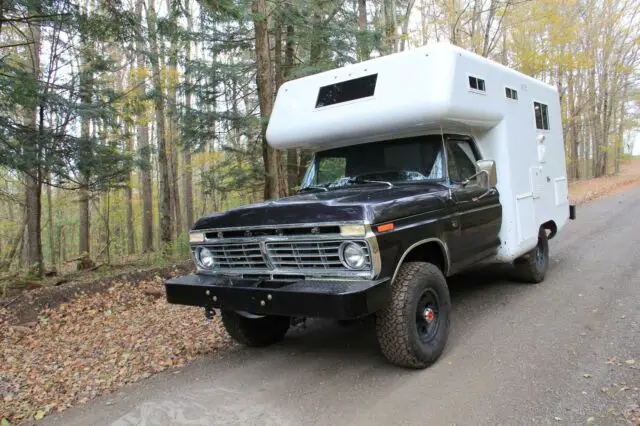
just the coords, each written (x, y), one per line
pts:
(401, 160)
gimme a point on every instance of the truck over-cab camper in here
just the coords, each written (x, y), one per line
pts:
(426, 162)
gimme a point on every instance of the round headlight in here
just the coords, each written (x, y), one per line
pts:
(205, 257)
(353, 255)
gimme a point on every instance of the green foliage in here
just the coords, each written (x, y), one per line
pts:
(39, 111)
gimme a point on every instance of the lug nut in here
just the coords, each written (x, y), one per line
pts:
(215, 298)
(262, 303)
(269, 297)
(207, 292)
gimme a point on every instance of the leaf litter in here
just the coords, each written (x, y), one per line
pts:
(96, 344)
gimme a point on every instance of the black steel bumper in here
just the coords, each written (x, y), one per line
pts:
(305, 298)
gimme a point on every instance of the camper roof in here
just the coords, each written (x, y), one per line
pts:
(398, 95)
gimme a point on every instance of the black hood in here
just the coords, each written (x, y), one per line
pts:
(370, 203)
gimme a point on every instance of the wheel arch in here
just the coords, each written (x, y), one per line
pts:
(433, 250)
(551, 227)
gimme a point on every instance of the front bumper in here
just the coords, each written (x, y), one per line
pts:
(304, 298)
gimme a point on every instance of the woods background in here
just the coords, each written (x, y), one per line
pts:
(123, 121)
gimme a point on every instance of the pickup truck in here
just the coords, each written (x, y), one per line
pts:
(375, 230)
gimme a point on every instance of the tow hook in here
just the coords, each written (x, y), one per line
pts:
(209, 312)
(296, 321)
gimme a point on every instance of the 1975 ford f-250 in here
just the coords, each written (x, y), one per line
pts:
(380, 222)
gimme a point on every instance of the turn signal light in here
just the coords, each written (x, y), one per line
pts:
(385, 228)
(196, 237)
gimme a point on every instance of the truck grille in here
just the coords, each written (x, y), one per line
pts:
(238, 255)
(303, 255)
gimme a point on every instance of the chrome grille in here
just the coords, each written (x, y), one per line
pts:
(238, 256)
(303, 255)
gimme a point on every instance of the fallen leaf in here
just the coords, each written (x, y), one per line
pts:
(591, 419)
(630, 361)
(557, 419)
(612, 360)
(586, 376)
(40, 415)
(604, 390)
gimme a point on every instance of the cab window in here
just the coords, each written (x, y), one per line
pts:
(461, 160)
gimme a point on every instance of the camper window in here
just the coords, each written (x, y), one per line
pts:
(345, 91)
(476, 83)
(542, 116)
(511, 93)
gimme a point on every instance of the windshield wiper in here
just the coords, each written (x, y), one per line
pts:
(381, 182)
(313, 188)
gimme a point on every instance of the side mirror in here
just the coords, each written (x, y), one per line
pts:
(487, 173)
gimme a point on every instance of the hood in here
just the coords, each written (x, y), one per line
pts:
(372, 204)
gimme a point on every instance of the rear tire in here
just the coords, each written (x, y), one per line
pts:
(255, 332)
(532, 267)
(413, 329)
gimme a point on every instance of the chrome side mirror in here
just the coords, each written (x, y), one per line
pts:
(486, 176)
(487, 173)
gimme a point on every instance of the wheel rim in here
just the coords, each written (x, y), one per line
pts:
(428, 316)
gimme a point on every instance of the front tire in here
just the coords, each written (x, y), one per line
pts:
(255, 332)
(532, 267)
(413, 329)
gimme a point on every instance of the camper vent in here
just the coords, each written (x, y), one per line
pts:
(542, 116)
(511, 93)
(345, 91)
(476, 83)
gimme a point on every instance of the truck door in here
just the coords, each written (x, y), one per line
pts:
(476, 221)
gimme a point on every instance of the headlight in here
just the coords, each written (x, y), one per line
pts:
(353, 255)
(205, 258)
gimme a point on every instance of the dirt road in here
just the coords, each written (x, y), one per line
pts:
(566, 351)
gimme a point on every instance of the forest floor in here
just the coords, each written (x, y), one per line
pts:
(589, 189)
(64, 345)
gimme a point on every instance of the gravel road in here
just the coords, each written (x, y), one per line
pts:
(518, 354)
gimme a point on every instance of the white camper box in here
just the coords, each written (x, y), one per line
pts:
(514, 119)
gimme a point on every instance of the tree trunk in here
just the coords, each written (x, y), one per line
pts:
(142, 136)
(172, 131)
(86, 83)
(31, 242)
(390, 26)
(187, 177)
(292, 154)
(166, 226)
(265, 81)
(52, 248)
(363, 35)
(574, 170)
(405, 25)
(128, 191)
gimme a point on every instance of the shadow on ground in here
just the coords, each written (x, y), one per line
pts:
(475, 294)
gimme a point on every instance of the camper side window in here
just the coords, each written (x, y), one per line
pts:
(461, 159)
(511, 93)
(542, 116)
(476, 83)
